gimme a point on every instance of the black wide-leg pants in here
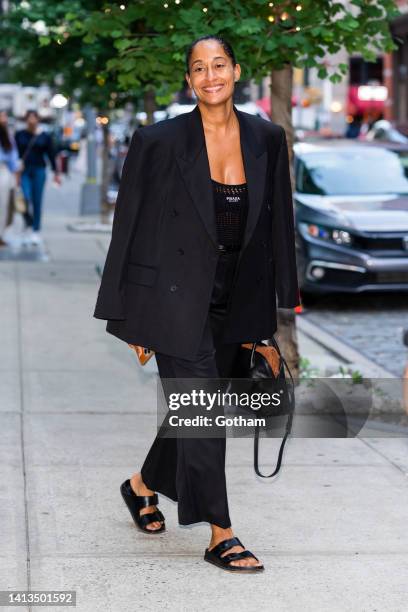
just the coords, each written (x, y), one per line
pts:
(191, 471)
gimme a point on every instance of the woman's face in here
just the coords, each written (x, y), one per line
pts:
(3, 118)
(32, 121)
(212, 75)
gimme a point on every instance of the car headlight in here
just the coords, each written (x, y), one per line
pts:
(332, 235)
(341, 236)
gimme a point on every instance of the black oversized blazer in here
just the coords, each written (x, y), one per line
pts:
(159, 271)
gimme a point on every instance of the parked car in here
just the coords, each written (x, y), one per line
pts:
(351, 209)
(384, 131)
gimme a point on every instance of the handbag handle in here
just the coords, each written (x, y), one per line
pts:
(280, 455)
(276, 345)
(251, 361)
(257, 427)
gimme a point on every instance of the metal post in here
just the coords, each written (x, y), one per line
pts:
(90, 195)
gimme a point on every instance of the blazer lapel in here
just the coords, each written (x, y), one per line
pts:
(255, 158)
(195, 169)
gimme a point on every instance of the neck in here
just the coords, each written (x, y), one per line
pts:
(220, 118)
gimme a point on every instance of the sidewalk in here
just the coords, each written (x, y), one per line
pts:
(78, 416)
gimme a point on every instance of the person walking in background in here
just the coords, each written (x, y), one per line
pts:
(34, 147)
(9, 165)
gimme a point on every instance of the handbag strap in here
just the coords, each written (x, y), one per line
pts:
(276, 345)
(288, 423)
(29, 146)
(280, 455)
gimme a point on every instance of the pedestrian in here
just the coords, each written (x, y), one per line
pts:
(202, 237)
(9, 166)
(35, 147)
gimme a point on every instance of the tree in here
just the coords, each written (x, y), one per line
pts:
(40, 49)
(141, 46)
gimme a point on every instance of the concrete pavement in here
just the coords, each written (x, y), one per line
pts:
(77, 418)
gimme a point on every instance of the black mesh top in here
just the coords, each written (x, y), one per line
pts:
(231, 209)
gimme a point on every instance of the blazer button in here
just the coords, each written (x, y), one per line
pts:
(180, 251)
(259, 278)
(174, 212)
(269, 207)
(174, 288)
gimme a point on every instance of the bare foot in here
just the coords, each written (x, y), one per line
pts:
(139, 488)
(218, 535)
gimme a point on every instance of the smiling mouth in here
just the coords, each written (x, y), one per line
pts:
(213, 89)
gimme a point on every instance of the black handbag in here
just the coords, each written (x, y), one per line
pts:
(265, 366)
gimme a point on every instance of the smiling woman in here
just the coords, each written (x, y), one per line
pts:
(202, 245)
(212, 77)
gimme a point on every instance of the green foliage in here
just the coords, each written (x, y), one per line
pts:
(355, 375)
(143, 46)
(306, 369)
(41, 47)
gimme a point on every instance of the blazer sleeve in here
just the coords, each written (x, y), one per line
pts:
(110, 301)
(283, 231)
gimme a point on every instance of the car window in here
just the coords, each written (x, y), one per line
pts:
(363, 171)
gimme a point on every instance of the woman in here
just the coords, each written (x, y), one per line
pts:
(8, 168)
(202, 237)
(34, 147)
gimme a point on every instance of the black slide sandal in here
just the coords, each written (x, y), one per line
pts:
(214, 556)
(136, 502)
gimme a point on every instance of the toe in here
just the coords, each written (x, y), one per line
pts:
(242, 562)
(153, 526)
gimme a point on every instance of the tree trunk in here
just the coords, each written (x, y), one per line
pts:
(281, 112)
(149, 105)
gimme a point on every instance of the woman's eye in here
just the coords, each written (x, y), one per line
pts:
(200, 67)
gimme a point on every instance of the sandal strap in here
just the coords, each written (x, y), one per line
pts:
(150, 517)
(225, 545)
(159, 513)
(238, 555)
(147, 500)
